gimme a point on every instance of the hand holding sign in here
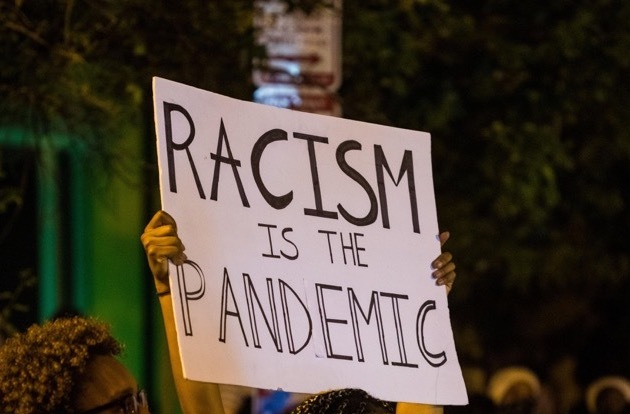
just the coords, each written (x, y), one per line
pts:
(161, 243)
(444, 268)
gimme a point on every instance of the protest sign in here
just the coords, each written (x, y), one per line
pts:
(309, 241)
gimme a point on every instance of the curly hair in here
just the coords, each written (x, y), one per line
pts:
(39, 369)
(345, 401)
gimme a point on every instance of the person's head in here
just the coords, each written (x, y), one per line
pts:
(514, 390)
(477, 404)
(344, 401)
(608, 395)
(68, 366)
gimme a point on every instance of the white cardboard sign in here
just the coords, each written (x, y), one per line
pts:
(309, 241)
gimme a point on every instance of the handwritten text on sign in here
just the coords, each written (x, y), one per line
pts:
(309, 241)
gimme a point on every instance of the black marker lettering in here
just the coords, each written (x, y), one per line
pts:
(219, 159)
(277, 202)
(172, 146)
(406, 167)
(318, 211)
(283, 287)
(225, 291)
(375, 307)
(185, 295)
(325, 320)
(250, 296)
(370, 217)
(402, 352)
(435, 360)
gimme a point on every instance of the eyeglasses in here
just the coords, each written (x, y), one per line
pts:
(128, 404)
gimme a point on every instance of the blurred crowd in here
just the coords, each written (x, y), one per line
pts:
(509, 390)
(519, 390)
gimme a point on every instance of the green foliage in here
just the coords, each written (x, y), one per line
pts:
(81, 69)
(12, 302)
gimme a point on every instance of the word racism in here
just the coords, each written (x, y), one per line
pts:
(282, 201)
(358, 316)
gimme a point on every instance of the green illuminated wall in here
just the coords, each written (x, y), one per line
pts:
(90, 256)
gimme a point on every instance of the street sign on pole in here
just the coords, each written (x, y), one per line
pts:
(302, 64)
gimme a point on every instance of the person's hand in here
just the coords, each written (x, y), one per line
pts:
(161, 244)
(444, 268)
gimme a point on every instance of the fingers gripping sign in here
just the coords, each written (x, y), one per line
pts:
(444, 268)
(161, 243)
